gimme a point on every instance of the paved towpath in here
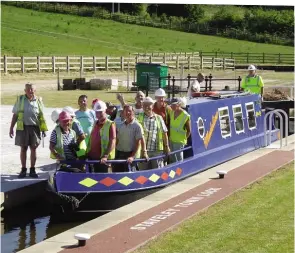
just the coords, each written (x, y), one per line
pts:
(137, 230)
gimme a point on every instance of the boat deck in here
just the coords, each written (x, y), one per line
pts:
(133, 225)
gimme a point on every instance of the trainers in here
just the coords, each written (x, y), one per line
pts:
(33, 173)
(23, 173)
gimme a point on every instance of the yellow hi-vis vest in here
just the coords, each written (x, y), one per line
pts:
(140, 119)
(104, 139)
(20, 114)
(59, 142)
(252, 84)
(177, 131)
(83, 144)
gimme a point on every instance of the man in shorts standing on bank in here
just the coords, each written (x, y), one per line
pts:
(29, 117)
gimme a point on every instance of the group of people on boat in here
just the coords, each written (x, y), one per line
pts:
(145, 129)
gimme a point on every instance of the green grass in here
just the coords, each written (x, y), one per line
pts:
(259, 219)
(69, 98)
(30, 33)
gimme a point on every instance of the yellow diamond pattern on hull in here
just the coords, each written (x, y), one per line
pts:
(88, 182)
(154, 178)
(125, 181)
(172, 174)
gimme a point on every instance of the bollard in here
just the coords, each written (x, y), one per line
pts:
(82, 238)
(221, 173)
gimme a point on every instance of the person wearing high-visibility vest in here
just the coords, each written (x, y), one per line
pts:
(102, 142)
(30, 123)
(138, 106)
(180, 129)
(80, 135)
(85, 116)
(63, 139)
(155, 134)
(160, 106)
(253, 82)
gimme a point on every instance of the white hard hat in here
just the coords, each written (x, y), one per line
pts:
(69, 110)
(148, 100)
(54, 115)
(100, 106)
(251, 67)
(160, 93)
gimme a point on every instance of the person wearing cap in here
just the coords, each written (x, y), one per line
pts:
(63, 139)
(119, 120)
(76, 126)
(160, 106)
(54, 116)
(130, 139)
(180, 129)
(155, 134)
(253, 82)
(102, 140)
(85, 116)
(30, 124)
(138, 106)
(111, 111)
(94, 102)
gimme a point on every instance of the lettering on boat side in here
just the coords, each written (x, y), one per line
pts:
(171, 211)
(209, 133)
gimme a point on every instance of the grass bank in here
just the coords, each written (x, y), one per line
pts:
(259, 218)
(30, 33)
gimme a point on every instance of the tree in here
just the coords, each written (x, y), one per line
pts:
(194, 12)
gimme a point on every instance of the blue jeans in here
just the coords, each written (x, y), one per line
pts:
(178, 156)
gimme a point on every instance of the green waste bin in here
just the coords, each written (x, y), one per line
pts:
(153, 71)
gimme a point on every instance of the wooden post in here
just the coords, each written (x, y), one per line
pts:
(68, 64)
(82, 64)
(189, 62)
(224, 64)
(164, 58)
(53, 64)
(202, 62)
(23, 64)
(107, 64)
(38, 64)
(213, 62)
(177, 62)
(151, 59)
(5, 64)
(122, 63)
(94, 63)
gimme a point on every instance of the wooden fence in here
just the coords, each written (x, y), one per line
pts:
(240, 58)
(82, 63)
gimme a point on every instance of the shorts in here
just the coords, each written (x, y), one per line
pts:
(30, 136)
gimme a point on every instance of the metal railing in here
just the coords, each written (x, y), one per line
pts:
(88, 162)
(267, 133)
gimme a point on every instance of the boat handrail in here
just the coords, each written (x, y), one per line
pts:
(81, 162)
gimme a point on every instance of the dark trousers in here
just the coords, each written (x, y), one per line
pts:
(123, 167)
(99, 168)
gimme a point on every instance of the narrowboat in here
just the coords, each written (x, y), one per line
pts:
(224, 125)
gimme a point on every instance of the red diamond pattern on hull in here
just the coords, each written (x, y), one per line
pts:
(178, 171)
(164, 176)
(108, 181)
(141, 180)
